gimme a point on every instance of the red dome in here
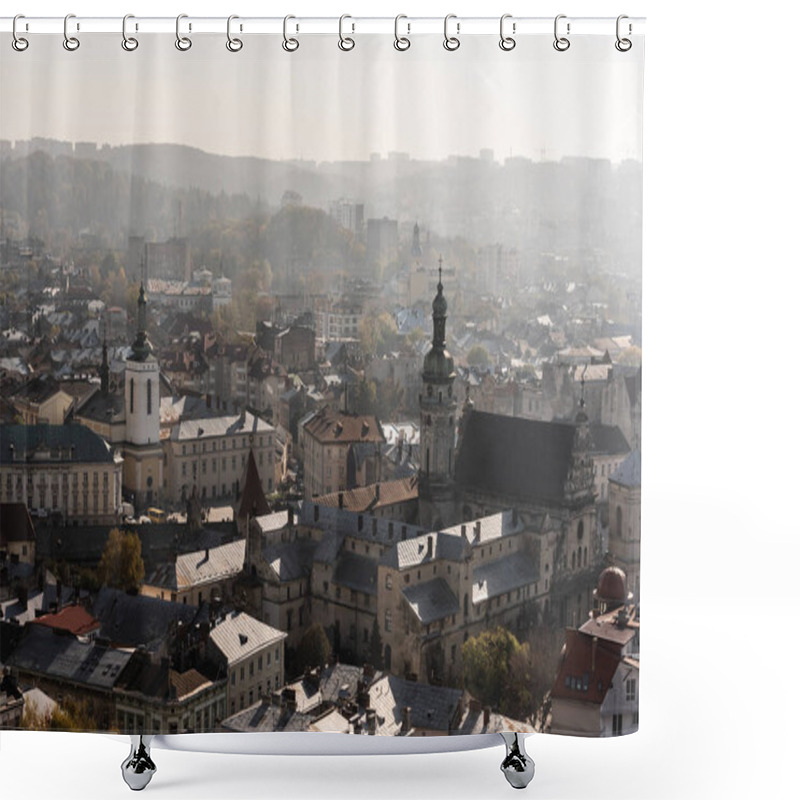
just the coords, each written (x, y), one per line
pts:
(611, 586)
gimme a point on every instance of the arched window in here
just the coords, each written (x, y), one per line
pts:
(580, 530)
(466, 606)
(149, 397)
(573, 559)
(131, 395)
(619, 521)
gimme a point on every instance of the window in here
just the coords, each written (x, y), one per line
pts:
(241, 674)
(260, 663)
(289, 620)
(630, 689)
(252, 668)
(131, 408)
(233, 678)
(619, 521)
(388, 580)
(387, 621)
(149, 397)
(616, 725)
(580, 530)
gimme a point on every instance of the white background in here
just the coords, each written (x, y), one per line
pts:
(718, 697)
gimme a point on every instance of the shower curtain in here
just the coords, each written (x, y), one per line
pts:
(321, 377)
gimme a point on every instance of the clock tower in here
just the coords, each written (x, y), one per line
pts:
(437, 425)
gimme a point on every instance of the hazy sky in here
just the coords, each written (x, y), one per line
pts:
(323, 104)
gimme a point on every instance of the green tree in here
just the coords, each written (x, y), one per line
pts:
(121, 565)
(477, 356)
(486, 664)
(314, 649)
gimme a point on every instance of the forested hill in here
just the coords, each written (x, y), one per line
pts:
(160, 190)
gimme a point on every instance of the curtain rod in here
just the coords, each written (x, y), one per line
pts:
(405, 25)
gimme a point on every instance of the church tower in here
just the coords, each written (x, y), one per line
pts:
(437, 425)
(143, 462)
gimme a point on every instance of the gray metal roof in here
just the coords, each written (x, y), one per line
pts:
(290, 560)
(503, 575)
(44, 651)
(211, 426)
(52, 444)
(629, 472)
(371, 529)
(201, 566)
(432, 707)
(267, 718)
(241, 635)
(356, 572)
(431, 600)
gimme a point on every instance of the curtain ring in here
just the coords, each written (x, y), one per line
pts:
(290, 44)
(561, 43)
(451, 42)
(129, 43)
(401, 42)
(183, 43)
(233, 44)
(71, 43)
(507, 42)
(19, 43)
(623, 45)
(346, 43)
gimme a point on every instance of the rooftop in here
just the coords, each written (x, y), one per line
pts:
(431, 600)
(240, 635)
(376, 495)
(74, 619)
(329, 427)
(503, 575)
(199, 567)
(52, 443)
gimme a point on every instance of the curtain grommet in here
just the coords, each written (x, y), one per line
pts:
(19, 43)
(451, 43)
(129, 43)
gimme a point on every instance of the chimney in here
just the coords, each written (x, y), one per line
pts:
(377, 492)
(477, 530)
(463, 531)
(487, 712)
(594, 652)
(474, 706)
(341, 500)
(369, 672)
(290, 699)
(290, 516)
(406, 724)
(430, 546)
(277, 699)
(372, 721)
(207, 554)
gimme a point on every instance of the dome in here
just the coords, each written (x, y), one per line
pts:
(611, 587)
(438, 364)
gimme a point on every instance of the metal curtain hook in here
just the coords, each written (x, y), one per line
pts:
(561, 43)
(346, 42)
(451, 42)
(401, 42)
(183, 43)
(290, 44)
(623, 45)
(507, 42)
(129, 43)
(70, 42)
(19, 43)
(233, 44)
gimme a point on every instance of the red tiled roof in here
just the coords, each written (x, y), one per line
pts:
(330, 426)
(586, 663)
(365, 498)
(75, 619)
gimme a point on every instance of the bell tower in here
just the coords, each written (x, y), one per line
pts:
(437, 424)
(143, 461)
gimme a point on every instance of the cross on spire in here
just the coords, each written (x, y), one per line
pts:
(440, 272)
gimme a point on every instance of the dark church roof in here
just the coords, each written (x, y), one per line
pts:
(510, 456)
(52, 443)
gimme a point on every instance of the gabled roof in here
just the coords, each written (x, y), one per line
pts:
(515, 457)
(629, 472)
(425, 548)
(74, 619)
(503, 575)
(45, 651)
(376, 495)
(356, 572)
(239, 635)
(330, 427)
(587, 668)
(267, 719)
(432, 707)
(431, 600)
(53, 443)
(290, 561)
(199, 567)
(607, 440)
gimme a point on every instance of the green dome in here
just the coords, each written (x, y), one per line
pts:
(438, 365)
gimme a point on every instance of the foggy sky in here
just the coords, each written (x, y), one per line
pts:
(322, 104)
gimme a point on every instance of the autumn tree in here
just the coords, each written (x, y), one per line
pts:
(69, 715)
(314, 649)
(506, 675)
(121, 565)
(478, 356)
